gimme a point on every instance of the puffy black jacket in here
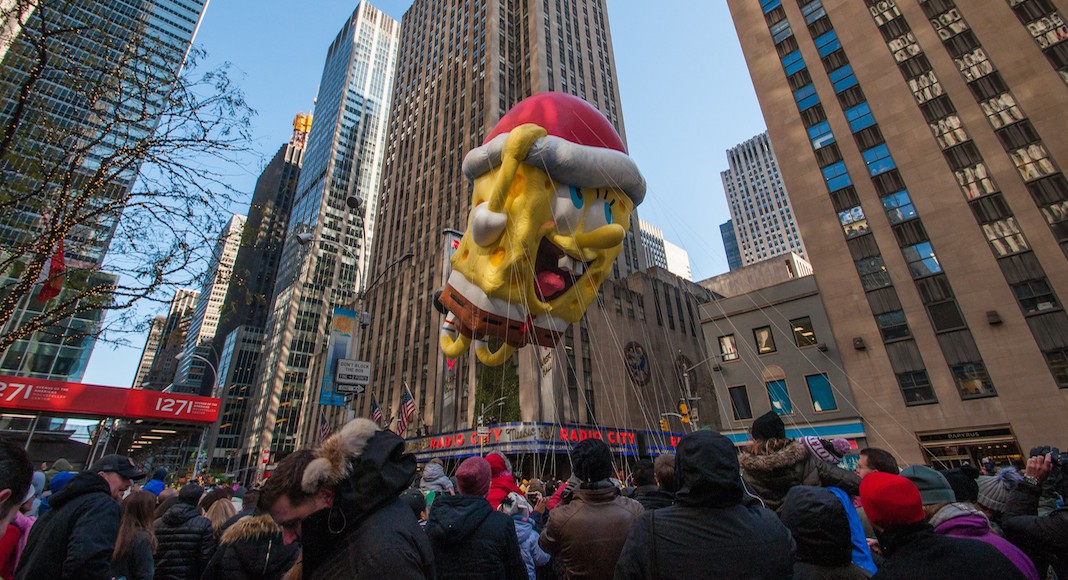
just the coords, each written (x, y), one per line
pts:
(916, 551)
(185, 543)
(652, 497)
(709, 532)
(817, 519)
(252, 549)
(1043, 538)
(771, 475)
(369, 533)
(470, 540)
(76, 537)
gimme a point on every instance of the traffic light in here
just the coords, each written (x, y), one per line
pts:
(664, 424)
(684, 410)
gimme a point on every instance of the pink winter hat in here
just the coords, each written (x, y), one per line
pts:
(473, 477)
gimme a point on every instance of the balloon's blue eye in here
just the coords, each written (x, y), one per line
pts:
(607, 213)
(576, 197)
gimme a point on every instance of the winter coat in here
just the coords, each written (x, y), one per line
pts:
(533, 555)
(709, 532)
(369, 533)
(1043, 538)
(470, 540)
(916, 551)
(771, 475)
(252, 549)
(13, 543)
(137, 563)
(652, 497)
(862, 555)
(820, 526)
(155, 486)
(588, 534)
(185, 543)
(76, 537)
(960, 520)
(434, 479)
(500, 487)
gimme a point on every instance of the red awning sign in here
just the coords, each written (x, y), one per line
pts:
(60, 397)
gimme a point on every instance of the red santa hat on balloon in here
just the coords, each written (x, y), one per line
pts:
(582, 148)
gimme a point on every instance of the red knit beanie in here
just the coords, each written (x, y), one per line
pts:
(473, 477)
(497, 464)
(890, 500)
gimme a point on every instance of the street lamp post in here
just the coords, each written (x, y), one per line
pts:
(204, 433)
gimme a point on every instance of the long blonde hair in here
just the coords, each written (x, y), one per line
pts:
(219, 512)
(767, 446)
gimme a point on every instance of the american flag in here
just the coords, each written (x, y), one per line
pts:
(324, 428)
(376, 411)
(407, 411)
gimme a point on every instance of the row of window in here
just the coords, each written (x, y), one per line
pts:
(820, 392)
(764, 340)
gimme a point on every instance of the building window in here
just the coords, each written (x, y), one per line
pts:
(765, 342)
(728, 348)
(893, 325)
(827, 43)
(873, 274)
(819, 388)
(804, 335)
(878, 159)
(945, 315)
(916, 388)
(806, 97)
(836, 176)
(842, 78)
(898, 206)
(1058, 365)
(1033, 161)
(972, 380)
(820, 135)
(740, 403)
(1035, 296)
(792, 62)
(921, 260)
(860, 117)
(1005, 237)
(780, 398)
(853, 222)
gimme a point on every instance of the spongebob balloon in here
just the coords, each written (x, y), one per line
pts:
(554, 190)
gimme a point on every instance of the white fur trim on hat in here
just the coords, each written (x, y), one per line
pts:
(566, 162)
(331, 463)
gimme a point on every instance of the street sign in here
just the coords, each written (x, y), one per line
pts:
(352, 372)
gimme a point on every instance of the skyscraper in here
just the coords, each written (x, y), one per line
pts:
(934, 191)
(656, 251)
(243, 316)
(148, 353)
(216, 281)
(172, 340)
(763, 221)
(462, 65)
(730, 245)
(325, 244)
(66, 67)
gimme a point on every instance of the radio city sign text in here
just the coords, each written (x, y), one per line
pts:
(528, 433)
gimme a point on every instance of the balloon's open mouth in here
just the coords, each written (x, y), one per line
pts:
(554, 271)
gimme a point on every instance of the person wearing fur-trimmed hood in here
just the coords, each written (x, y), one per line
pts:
(344, 506)
(252, 548)
(773, 464)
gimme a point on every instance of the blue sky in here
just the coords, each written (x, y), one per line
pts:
(687, 98)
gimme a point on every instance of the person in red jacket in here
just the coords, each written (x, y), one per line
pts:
(503, 481)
